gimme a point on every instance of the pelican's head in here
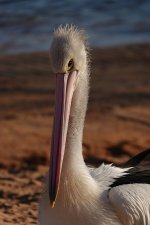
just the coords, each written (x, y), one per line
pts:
(68, 59)
(68, 51)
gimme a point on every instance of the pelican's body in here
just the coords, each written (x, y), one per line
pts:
(104, 196)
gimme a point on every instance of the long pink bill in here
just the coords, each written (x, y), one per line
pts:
(65, 86)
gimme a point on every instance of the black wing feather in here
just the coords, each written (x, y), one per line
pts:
(139, 173)
(142, 158)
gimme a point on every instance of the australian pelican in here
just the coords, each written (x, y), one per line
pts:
(75, 194)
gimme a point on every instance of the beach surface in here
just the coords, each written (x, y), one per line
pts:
(117, 124)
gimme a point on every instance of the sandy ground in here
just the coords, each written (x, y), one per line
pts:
(117, 123)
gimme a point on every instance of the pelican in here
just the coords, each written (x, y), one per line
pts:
(75, 194)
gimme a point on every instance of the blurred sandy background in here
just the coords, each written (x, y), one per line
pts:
(117, 123)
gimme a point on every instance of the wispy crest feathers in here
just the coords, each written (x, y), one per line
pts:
(70, 30)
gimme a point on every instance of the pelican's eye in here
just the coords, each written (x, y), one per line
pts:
(70, 65)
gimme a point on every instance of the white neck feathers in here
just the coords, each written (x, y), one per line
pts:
(75, 177)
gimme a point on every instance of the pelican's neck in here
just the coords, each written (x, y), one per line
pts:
(73, 150)
(75, 177)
